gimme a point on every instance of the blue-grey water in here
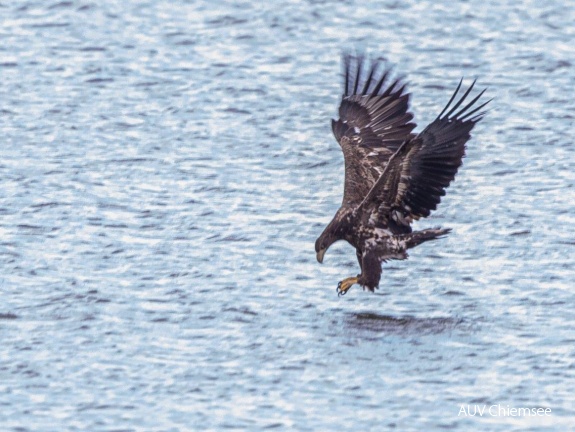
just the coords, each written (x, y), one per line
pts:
(167, 166)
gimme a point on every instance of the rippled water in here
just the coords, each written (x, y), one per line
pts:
(167, 166)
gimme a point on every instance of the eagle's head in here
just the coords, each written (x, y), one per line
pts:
(324, 241)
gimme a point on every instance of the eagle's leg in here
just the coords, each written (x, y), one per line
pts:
(344, 285)
(359, 259)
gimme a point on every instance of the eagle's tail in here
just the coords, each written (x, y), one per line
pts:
(417, 237)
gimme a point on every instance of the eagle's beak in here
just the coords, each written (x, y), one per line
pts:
(320, 255)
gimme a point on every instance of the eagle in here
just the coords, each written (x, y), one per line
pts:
(393, 176)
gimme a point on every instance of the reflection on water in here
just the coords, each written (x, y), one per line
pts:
(407, 325)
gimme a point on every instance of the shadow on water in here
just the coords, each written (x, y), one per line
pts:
(403, 325)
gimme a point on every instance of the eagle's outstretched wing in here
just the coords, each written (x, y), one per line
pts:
(417, 175)
(374, 121)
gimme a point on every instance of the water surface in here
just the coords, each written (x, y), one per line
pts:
(166, 169)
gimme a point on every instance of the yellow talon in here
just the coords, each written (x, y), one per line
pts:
(345, 285)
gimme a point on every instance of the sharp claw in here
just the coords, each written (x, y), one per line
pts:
(344, 286)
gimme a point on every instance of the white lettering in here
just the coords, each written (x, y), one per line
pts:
(501, 409)
(468, 412)
(507, 411)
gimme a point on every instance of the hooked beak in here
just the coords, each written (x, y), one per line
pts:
(320, 255)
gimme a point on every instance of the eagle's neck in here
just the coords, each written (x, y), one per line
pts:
(343, 224)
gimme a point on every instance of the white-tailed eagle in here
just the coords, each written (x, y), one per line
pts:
(392, 175)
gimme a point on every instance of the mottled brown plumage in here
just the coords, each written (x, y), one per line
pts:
(392, 176)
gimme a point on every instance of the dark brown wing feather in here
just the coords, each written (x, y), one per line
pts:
(417, 175)
(374, 121)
